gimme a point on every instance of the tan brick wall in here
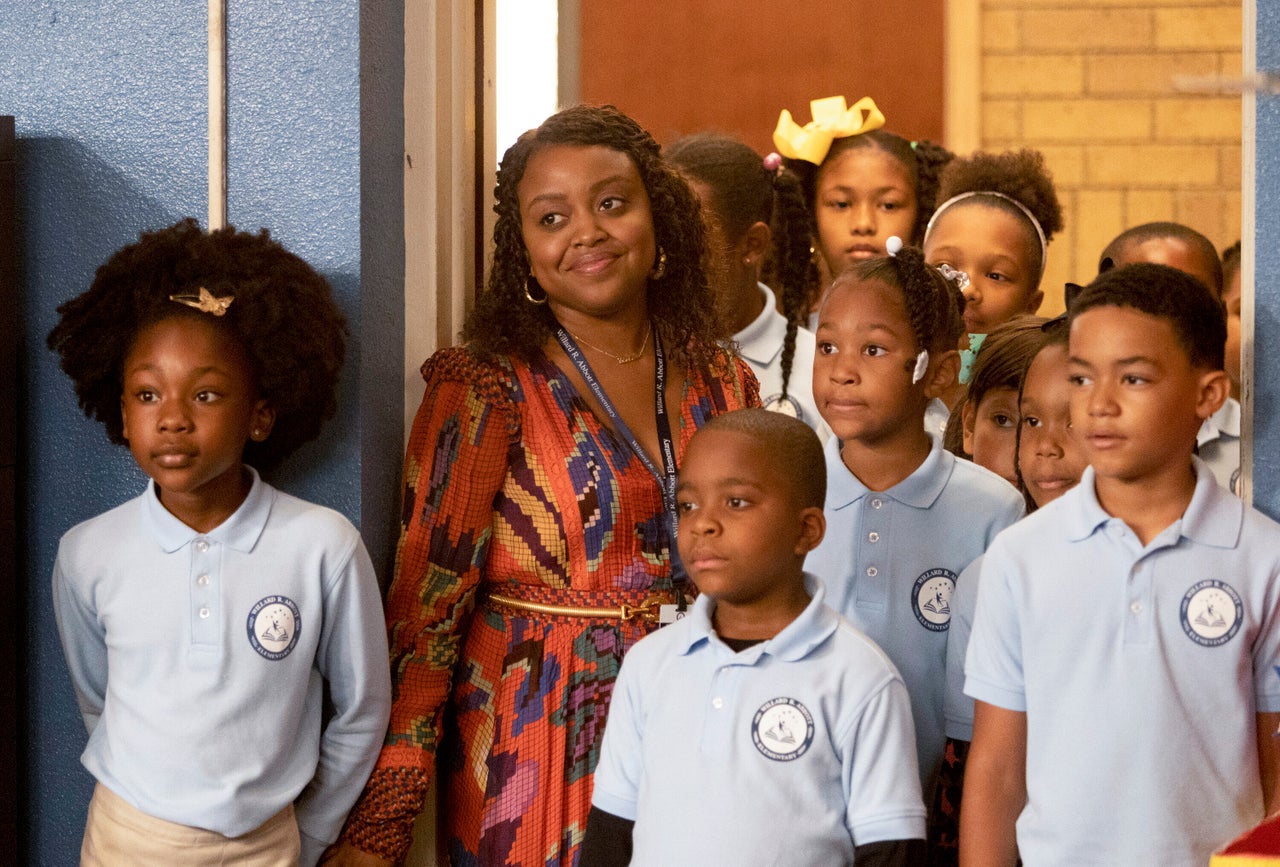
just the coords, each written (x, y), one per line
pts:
(1090, 84)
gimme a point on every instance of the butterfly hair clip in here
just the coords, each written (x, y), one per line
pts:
(206, 302)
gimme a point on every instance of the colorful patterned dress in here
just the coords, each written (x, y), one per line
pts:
(513, 486)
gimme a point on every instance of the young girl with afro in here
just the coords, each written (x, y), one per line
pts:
(756, 219)
(1048, 461)
(225, 639)
(862, 183)
(998, 214)
(904, 515)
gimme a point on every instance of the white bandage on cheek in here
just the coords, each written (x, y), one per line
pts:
(922, 364)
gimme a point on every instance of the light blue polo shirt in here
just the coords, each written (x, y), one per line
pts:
(1218, 444)
(890, 561)
(1140, 671)
(957, 708)
(793, 751)
(760, 345)
(199, 661)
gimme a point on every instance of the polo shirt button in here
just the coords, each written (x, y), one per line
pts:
(873, 536)
(202, 546)
(204, 613)
(1136, 608)
(877, 503)
(717, 702)
(202, 580)
(872, 571)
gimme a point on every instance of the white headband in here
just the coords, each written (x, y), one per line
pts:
(1026, 212)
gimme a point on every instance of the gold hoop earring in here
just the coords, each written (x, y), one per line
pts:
(659, 270)
(529, 295)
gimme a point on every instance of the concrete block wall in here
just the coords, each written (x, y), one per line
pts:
(1090, 83)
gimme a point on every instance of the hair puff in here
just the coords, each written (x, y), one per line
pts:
(283, 315)
(1021, 175)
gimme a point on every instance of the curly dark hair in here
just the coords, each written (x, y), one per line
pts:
(1195, 312)
(1020, 175)
(923, 160)
(934, 303)
(283, 315)
(503, 322)
(743, 192)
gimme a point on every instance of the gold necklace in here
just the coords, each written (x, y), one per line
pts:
(618, 358)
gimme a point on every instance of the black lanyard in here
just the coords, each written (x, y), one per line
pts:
(667, 477)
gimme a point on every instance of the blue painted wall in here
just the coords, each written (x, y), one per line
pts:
(110, 101)
(1266, 450)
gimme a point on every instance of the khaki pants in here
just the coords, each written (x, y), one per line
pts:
(117, 833)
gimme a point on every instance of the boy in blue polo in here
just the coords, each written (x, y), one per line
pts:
(1125, 636)
(763, 728)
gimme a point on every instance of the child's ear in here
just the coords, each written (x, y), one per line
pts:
(944, 370)
(968, 422)
(813, 526)
(264, 418)
(755, 243)
(1034, 300)
(124, 419)
(1214, 388)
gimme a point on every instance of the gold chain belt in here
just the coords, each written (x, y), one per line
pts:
(648, 610)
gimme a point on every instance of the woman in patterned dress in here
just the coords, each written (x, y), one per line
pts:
(523, 491)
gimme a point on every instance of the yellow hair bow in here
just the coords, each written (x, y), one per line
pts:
(831, 120)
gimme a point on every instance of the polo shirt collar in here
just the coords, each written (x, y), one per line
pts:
(810, 628)
(919, 490)
(761, 341)
(1214, 517)
(240, 531)
(1224, 422)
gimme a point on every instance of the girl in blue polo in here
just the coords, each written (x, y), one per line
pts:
(904, 515)
(225, 639)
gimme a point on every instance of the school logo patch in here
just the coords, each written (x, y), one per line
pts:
(786, 405)
(931, 599)
(782, 729)
(274, 625)
(1211, 613)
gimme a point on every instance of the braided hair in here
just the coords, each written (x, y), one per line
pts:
(283, 315)
(503, 322)
(934, 304)
(744, 192)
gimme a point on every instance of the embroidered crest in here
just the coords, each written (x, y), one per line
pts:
(782, 729)
(274, 626)
(931, 599)
(1211, 613)
(785, 404)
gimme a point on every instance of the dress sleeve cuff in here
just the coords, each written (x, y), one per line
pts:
(381, 822)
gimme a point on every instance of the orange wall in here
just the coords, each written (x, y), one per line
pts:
(679, 67)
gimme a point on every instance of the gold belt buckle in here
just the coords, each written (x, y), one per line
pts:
(649, 610)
